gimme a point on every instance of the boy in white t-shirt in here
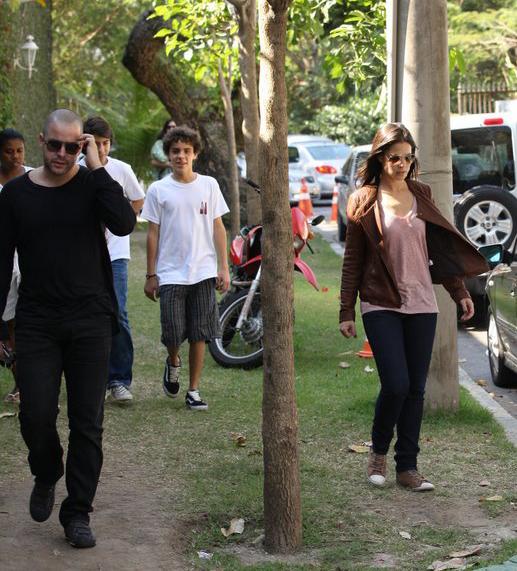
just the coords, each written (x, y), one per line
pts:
(121, 356)
(186, 259)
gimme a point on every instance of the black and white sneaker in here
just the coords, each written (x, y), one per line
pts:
(194, 402)
(171, 378)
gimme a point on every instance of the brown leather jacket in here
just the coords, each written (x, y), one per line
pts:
(367, 269)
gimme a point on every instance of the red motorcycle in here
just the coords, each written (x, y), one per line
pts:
(240, 310)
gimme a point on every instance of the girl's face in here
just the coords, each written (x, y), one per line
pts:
(12, 155)
(397, 160)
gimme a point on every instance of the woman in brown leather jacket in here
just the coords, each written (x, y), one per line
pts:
(397, 245)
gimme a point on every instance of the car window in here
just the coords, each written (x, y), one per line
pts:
(294, 155)
(359, 160)
(482, 155)
(328, 152)
(347, 167)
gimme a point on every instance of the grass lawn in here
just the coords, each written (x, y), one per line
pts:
(206, 480)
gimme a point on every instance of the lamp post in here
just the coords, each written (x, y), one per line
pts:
(28, 51)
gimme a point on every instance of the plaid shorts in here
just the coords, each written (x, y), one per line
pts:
(189, 312)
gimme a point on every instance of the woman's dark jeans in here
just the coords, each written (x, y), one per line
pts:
(402, 345)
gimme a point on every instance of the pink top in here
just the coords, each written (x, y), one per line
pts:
(404, 237)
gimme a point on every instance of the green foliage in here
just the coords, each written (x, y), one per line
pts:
(6, 55)
(90, 78)
(354, 122)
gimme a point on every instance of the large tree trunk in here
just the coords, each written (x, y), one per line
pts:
(235, 206)
(145, 58)
(246, 11)
(31, 100)
(421, 101)
(282, 504)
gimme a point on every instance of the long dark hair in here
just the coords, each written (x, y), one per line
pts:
(161, 134)
(387, 135)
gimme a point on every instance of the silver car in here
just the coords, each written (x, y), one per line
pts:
(346, 184)
(319, 157)
(296, 174)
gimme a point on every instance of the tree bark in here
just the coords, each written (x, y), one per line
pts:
(235, 206)
(282, 503)
(33, 99)
(145, 59)
(246, 13)
(420, 95)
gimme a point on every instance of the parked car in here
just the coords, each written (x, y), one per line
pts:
(502, 314)
(296, 174)
(318, 157)
(346, 183)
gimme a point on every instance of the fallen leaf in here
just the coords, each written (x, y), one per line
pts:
(405, 534)
(7, 414)
(369, 369)
(359, 448)
(494, 499)
(484, 483)
(324, 289)
(236, 526)
(205, 555)
(481, 382)
(238, 438)
(456, 563)
(467, 552)
(344, 365)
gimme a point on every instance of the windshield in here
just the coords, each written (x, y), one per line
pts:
(482, 156)
(329, 152)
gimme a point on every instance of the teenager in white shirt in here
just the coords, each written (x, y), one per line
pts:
(186, 259)
(121, 356)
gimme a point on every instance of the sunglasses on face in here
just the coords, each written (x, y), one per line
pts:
(394, 159)
(70, 148)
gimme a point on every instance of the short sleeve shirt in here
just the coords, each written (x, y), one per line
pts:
(185, 213)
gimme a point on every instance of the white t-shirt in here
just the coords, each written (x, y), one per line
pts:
(118, 246)
(186, 214)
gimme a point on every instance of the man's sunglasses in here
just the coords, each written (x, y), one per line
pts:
(70, 148)
(394, 159)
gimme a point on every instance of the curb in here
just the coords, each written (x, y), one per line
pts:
(501, 416)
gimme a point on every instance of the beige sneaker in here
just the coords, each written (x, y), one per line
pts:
(414, 481)
(376, 468)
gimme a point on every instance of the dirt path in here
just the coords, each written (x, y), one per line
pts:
(133, 531)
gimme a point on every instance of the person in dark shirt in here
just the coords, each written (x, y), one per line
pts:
(55, 217)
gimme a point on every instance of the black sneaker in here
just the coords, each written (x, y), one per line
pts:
(42, 501)
(171, 378)
(79, 534)
(194, 402)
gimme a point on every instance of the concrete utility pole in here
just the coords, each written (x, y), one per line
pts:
(418, 95)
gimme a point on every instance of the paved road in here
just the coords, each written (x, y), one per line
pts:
(471, 342)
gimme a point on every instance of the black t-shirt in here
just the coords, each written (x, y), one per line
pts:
(59, 235)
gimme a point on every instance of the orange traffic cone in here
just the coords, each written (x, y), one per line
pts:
(333, 215)
(305, 204)
(366, 352)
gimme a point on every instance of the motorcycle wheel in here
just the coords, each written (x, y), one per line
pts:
(239, 348)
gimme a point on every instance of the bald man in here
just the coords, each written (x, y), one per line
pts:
(55, 217)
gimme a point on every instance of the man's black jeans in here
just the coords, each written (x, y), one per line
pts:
(402, 345)
(80, 349)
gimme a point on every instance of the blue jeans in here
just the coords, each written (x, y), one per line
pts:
(402, 345)
(121, 357)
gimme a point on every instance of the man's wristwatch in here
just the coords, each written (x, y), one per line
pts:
(149, 276)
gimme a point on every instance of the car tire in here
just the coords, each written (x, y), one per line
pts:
(341, 228)
(502, 376)
(487, 215)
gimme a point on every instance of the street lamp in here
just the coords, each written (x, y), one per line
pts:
(28, 51)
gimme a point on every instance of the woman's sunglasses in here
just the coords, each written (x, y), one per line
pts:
(54, 146)
(394, 159)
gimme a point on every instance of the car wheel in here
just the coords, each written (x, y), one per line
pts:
(501, 375)
(341, 228)
(487, 216)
